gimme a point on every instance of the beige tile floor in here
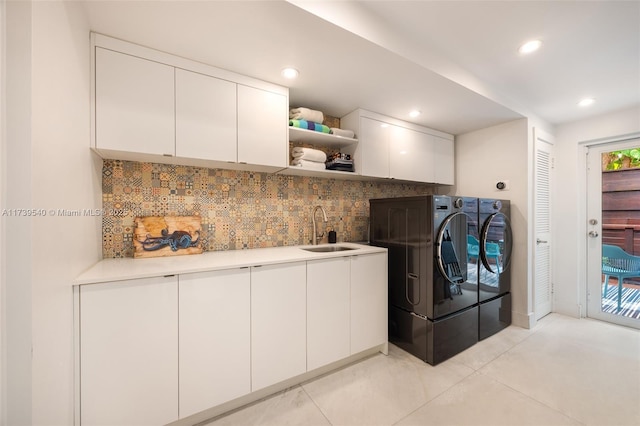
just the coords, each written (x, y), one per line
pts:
(565, 371)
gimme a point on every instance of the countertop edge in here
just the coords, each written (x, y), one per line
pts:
(112, 270)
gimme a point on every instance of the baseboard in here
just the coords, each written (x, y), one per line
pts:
(527, 321)
(227, 407)
(569, 309)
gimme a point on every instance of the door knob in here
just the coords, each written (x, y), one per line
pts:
(539, 241)
(593, 234)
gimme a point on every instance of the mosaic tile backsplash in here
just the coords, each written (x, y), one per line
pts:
(239, 209)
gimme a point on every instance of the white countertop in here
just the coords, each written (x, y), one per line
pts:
(108, 270)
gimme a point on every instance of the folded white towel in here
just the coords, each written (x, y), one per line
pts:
(314, 165)
(308, 114)
(345, 133)
(309, 154)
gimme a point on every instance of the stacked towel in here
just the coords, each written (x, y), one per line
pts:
(310, 125)
(308, 154)
(314, 165)
(308, 158)
(342, 132)
(307, 114)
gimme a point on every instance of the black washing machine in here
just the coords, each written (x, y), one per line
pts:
(495, 245)
(433, 286)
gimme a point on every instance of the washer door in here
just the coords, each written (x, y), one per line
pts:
(451, 248)
(452, 290)
(496, 243)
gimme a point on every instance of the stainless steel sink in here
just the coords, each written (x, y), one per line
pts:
(324, 249)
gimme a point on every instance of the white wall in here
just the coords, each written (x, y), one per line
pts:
(65, 175)
(3, 166)
(569, 200)
(483, 158)
(17, 231)
(49, 167)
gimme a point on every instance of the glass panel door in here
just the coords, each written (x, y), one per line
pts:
(613, 233)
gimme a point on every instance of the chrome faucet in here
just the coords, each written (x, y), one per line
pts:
(316, 237)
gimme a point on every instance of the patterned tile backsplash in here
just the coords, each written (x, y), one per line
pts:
(239, 209)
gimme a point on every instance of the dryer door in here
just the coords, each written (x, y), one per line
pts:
(496, 244)
(452, 290)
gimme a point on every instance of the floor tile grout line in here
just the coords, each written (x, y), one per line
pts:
(316, 404)
(436, 396)
(495, 379)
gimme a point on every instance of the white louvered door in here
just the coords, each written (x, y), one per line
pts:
(543, 287)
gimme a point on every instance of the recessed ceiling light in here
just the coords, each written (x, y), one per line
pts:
(290, 73)
(414, 113)
(530, 46)
(586, 102)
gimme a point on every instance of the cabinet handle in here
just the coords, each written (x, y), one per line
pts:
(167, 155)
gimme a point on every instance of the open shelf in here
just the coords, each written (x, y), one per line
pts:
(318, 138)
(327, 174)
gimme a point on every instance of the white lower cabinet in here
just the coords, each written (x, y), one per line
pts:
(368, 301)
(215, 338)
(129, 352)
(278, 323)
(328, 284)
(154, 350)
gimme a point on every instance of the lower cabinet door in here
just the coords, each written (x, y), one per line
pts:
(368, 301)
(328, 284)
(215, 338)
(129, 352)
(278, 323)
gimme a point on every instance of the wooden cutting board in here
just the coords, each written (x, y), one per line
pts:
(157, 236)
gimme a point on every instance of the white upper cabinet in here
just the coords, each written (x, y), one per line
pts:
(152, 106)
(262, 127)
(372, 153)
(134, 104)
(205, 117)
(390, 148)
(411, 155)
(444, 159)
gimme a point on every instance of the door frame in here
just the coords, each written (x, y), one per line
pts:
(583, 242)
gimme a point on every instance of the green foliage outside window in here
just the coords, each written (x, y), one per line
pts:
(624, 159)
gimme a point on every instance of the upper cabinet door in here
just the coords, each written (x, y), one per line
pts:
(205, 117)
(134, 104)
(262, 127)
(373, 148)
(411, 155)
(443, 150)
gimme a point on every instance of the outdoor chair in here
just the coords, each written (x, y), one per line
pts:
(473, 247)
(493, 250)
(620, 264)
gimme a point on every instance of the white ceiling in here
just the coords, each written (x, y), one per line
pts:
(455, 61)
